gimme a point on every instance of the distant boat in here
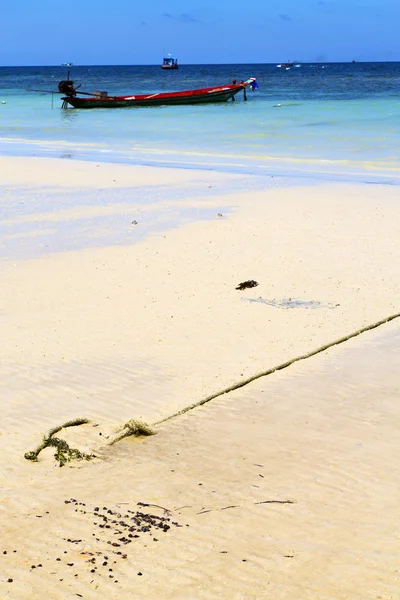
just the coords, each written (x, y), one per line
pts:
(288, 65)
(67, 64)
(199, 96)
(169, 62)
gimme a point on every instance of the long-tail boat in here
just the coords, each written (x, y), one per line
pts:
(78, 99)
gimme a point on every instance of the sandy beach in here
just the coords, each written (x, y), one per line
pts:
(119, 301)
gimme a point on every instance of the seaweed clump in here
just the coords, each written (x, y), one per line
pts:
(63, 452)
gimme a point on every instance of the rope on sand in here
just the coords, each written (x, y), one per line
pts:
(133, 427)
(66, 454)
(137, 428)
(63, 453)
(284, 365)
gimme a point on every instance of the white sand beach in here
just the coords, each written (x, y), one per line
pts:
(112, 331)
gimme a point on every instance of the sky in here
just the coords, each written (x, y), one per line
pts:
(128, 32)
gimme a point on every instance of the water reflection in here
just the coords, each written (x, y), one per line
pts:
(68, 115)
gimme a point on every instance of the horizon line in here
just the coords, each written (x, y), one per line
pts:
(345, 62)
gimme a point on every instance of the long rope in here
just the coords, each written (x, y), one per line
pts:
(284, 365)
(133, 427)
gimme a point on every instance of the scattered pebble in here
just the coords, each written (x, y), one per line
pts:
(128, 525)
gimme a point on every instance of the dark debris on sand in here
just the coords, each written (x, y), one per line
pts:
(250, 283)
(113, 532)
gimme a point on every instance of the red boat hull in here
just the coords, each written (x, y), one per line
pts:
(201, 96)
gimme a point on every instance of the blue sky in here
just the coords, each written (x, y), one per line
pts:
(88, 32)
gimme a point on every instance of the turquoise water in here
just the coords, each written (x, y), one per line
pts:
(331, 119)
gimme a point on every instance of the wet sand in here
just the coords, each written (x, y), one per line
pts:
(285, 488)
(144, 330)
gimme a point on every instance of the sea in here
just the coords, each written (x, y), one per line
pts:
(335, 120)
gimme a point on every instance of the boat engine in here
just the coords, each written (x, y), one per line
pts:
(66, 87)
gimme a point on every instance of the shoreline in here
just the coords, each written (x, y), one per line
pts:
(146, 328)
(296, 171)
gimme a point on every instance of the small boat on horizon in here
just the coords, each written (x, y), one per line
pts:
(67, 64)
(79, 99)
(169, 62)
(288, 65)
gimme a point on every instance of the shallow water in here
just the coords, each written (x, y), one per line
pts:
(327, 119)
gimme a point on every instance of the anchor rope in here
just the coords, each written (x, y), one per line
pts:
(280, 367)
(136, 428)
